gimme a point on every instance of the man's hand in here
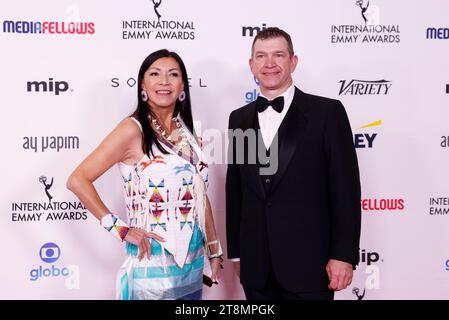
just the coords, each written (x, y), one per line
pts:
(339, 273)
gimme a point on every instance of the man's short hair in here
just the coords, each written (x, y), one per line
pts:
(274, 32)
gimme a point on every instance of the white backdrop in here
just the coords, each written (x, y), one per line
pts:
(393, 81)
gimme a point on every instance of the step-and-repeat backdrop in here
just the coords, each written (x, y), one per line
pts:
(69, 76)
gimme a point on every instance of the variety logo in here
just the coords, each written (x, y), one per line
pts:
(158, 29)
(46, 143)
(368, 31)
(444, 142)
(50, 253)
(48, 211)
(252, 31)
(366, 140)
(364, 87)
(252, 95)
(437, 33)
(447, 89)
(131, 82)
(55, 87)
(439, 206)
(49, 27)
(378, 205)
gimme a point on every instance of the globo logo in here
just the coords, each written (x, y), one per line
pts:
(41, 272)
(49, 253)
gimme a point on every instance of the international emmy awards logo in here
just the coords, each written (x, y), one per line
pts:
(356, 292)
(156, 5)
(360, 4)
(370, 13)
(43, 180)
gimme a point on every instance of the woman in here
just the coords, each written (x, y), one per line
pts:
(171, 235)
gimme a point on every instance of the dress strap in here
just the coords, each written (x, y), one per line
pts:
(137, 122)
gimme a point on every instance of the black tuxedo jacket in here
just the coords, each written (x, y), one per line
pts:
(310, 213)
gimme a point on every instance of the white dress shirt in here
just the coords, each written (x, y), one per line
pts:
(270, 120)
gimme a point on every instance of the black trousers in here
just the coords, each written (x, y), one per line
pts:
(274, 291)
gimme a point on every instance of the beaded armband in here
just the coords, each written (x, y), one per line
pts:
(115, 226)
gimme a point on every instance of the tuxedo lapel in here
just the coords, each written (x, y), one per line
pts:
(289, 134)
(250, 169)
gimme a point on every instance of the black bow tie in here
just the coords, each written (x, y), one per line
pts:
(263, 103)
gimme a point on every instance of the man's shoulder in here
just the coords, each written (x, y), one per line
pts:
(321, 100)
(242, 111)
(319, 104)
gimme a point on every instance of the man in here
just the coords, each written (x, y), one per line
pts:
(294, 232)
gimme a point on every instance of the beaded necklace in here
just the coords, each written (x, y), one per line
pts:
(180, 144)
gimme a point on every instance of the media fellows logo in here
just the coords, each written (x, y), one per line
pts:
(158, 29)
(48, 27)
(49, 210)
(369, 30)
(383, 205)
(50, 254)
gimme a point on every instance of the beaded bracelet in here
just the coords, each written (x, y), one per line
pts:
(114, 225)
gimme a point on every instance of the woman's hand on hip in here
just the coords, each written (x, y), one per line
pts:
(141, 238)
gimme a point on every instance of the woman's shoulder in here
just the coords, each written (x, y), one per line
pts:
(129, 127)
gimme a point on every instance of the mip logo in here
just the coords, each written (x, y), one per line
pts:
(50, 252)
(250, 96)
(55, 87)
(249, 31)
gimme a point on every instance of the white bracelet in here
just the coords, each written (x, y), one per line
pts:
(217, 254)
(212, 242)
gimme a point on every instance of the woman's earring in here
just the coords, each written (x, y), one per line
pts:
(182, 96)
(144, 95)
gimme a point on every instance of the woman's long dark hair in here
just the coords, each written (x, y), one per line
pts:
(142, 111)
